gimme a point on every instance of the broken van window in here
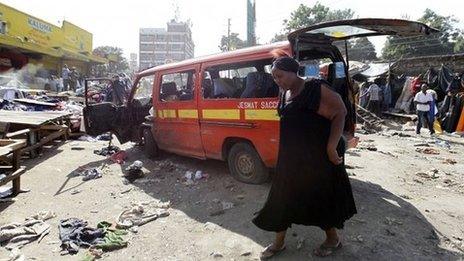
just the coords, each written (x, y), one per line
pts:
(177, 86)
(250, 79)
(144, 87)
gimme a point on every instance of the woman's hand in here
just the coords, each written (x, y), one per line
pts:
(334, 157)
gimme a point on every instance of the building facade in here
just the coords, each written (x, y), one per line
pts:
(133, 64)
(28, 40)
(159, 46)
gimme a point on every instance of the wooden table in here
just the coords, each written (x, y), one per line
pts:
(55, 124)
(7, 147)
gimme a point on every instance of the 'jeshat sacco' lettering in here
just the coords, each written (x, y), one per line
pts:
(258, 105)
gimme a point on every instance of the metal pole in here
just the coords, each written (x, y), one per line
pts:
(346, 55)
(228, 34)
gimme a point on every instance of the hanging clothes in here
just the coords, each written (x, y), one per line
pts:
(416, 84)
(444, 78)
(404, 101)
(396, 87)
(451, 111)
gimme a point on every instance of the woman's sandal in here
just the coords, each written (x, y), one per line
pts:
(269, 252)
(325, 250)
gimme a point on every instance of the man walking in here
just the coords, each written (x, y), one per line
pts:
(65, 74)
(423, 101)
(374, 98)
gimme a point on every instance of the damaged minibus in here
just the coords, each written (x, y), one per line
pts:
(223, 106)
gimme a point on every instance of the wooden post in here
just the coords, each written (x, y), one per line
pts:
(15, 164)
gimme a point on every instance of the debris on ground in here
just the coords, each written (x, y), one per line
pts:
(107, 151)
(76, 191)
(104, 137)
(409, 126)
(431, 174)
(87, 138)
(119, 157)
(300, 243)
(75, 233)
(450, 161)
(76, 146)
(16, 235)
(88, 174)
(139, 215)
(443, 144)
(134, 171)
(421, 145)
(5, 192)
(190, 177)
(43, 215)
(248, 253)
(430, 151)
(401, 134)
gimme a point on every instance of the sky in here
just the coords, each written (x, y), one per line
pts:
(117, 23)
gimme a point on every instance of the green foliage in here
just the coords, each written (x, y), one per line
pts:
(305, 16)
(447, 41)
(117, 63)
(233, 42)
(362, 50)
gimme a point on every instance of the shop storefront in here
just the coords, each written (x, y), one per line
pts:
(27, 40)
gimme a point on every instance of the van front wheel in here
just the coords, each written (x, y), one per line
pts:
(245, 165)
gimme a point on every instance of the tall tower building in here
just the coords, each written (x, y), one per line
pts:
(159, 46)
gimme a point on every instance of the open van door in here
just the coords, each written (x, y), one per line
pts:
(317, 41)
(124, 120)
(101, 115)
(365, 27)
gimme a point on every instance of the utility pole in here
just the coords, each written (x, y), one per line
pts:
(228, 34)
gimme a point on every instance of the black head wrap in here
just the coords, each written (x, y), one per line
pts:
(286, 64)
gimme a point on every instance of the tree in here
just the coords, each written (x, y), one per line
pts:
(305, 16)
(117, 63)
(233, 42)
(459, 45)
(440, 43)
(362, 50)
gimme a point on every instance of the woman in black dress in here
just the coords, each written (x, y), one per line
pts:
(311, 186)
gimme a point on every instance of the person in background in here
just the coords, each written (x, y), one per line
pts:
(387, 95)
(363, 98)
(433, 108)
(423, 101)
(73, 78)
(65, 74)
(126, 81)
(374, 103)
(118, 90)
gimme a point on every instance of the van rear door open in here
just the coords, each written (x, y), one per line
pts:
(349, 29)
(313, 41)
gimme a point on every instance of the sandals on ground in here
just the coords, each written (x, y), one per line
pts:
(269, 252)
(325, 250)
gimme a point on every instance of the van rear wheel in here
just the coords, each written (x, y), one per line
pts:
(149, 144)
(246, 165)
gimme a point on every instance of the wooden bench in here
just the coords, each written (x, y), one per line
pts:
(39, 128)
(13, 172)
(5, 134)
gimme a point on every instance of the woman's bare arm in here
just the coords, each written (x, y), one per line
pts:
(332, 108)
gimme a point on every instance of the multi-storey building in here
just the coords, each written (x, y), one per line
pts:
(159, 46)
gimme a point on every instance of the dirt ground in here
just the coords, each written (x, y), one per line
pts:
(410, 204)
